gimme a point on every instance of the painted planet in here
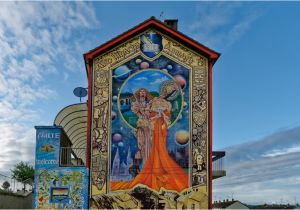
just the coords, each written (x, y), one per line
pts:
(178, 155)
(122, 72)
(169, 67)
(117, 137)
(113, 115)
(180, 117)
(178, 67)
(165, 70)
(144, 65)
(180, 80)
(138, 61)
(115, 98)
(184, 105)
(120, 144)
(182, 137)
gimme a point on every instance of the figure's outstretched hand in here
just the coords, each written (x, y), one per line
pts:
(154, 117)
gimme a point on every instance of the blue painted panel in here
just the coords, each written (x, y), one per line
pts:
(47, 147)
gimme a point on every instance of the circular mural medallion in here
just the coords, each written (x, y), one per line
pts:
(140, 89)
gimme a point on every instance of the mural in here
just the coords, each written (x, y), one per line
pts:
(149, 128)
(57, 187)
(64, 188)
(47, 147)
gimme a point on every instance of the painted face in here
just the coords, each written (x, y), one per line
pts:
(199, 158)
(142, 93)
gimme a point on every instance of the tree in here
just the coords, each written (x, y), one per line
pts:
(5, 185)
(23, 172)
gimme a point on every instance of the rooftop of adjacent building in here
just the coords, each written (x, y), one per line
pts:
(227, 203)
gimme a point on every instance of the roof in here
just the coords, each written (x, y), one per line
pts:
(160, 26)
(73, 120)
(225, 204)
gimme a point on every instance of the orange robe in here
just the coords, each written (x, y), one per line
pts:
(160, 170)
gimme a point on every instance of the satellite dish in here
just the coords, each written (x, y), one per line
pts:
(80, 92)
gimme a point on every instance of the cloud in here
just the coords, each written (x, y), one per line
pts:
(159, 80)
(141, 78)
(221, 24)
(284, 151)
(38, 40)
(156, 74)
(254, 177)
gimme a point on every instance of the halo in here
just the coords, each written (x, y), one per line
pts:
(172, 82)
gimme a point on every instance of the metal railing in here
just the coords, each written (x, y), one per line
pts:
(72, 156)
(218, 164)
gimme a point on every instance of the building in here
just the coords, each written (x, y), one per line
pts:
(227, 204)
(147, 87)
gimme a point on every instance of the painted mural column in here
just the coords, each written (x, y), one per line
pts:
(54, 186)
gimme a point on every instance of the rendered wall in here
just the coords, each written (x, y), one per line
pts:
(57, 187)
(150, 126)
(16, 201)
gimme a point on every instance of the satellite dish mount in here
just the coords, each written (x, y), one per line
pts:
(80, 92)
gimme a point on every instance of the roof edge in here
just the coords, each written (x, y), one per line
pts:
(152, 21)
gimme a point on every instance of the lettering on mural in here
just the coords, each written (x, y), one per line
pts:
(118, 55)
(46, 135)
(200, 76)
(178, 52)
(46, 162)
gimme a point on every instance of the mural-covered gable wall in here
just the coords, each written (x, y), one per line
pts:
(57, 187)
(150, 143)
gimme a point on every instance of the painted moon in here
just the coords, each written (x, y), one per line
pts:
(182, 137)
(121, 72)
(117, 137)
(180, 80)
(144, 65)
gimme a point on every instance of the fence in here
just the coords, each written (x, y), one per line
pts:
(16, 186)
(72, 156)
(218, 164)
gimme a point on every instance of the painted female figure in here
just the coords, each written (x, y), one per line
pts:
(141, 107)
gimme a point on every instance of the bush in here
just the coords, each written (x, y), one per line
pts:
(5, 185)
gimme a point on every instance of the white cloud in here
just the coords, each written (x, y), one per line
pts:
(159, 80)
(220, 24)
(156, 74)
(141, 78)
(284, 151)
(37, 40)
(259, 171)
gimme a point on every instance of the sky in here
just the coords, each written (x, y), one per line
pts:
(148, 79)
(255, 81)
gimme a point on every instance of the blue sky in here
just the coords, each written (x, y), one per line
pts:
(255, 81)
(147, 79)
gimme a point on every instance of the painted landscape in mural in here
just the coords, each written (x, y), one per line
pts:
(150, 125)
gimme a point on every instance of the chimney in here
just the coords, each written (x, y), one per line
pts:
(172, 23)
